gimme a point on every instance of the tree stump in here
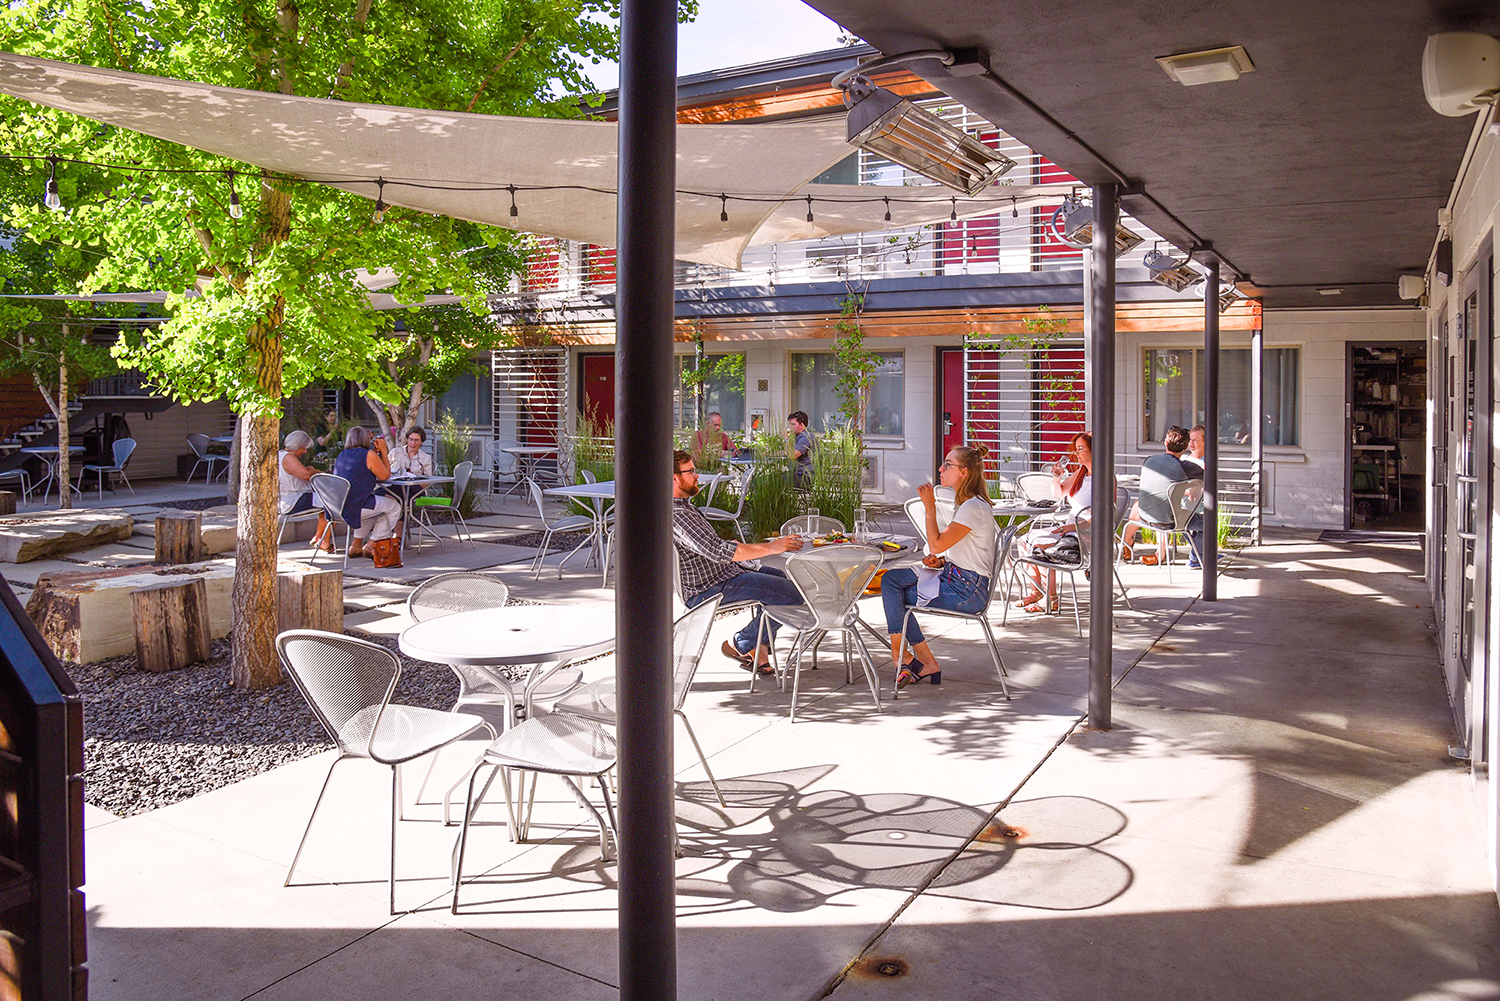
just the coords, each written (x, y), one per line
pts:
(7, 502)
(179, 537)
(171, 624)
(309, 598)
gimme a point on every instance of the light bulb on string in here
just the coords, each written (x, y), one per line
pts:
(723, 211)
(51, 198)
(235, 212)
(953, 212)
(1015, 213)
(809, 216)
(380, 205)
(515, 213)
(887, 213)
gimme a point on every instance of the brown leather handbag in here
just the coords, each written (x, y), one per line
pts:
(386, 552)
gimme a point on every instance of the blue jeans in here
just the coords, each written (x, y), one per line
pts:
(767, 585)
(959, 590)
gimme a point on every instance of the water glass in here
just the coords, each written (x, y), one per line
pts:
(861, 526)
(811, 530)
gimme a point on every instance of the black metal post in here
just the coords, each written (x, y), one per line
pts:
(1101, 391)
(1257, 428)
(643, 496)
(1210, 554)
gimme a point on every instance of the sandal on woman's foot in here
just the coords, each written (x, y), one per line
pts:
(1150, 559)
(907, 677)
(1124, 553)
(1037, 607)
(1030, 599)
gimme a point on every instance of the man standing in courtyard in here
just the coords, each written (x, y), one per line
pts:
(710, 565)
(801, 449)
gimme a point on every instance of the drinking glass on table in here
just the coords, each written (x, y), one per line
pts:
(861, 527)
(810, 532)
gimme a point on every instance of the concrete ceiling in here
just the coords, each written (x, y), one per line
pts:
(1322, 168)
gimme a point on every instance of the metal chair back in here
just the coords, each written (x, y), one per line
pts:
(1035, 486)
(742, 484)
(123, 449)
(333, 491)
(918, 516)
(588, 476)
(461, 475)
(816, 524)
(689, 639)
(346, 681)
(449, 593)
(1186, 499)
(831, 580)
(199, 444)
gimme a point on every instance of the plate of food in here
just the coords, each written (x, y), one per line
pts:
(830, 539)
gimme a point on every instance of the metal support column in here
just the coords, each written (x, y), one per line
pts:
(1101, 424)
(1257, 428)
(643, 496)
(1210, 554)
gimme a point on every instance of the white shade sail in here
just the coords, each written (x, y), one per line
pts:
(459, 164)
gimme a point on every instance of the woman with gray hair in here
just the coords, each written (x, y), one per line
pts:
(296, 479)
(364, 464)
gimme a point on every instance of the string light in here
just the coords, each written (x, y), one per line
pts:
(515, 213)
(51, 198)
(953, 214)
(1015, 213)
(235, 212)
(887, 213)
(723, 211)
(380, 199)
(809, 212)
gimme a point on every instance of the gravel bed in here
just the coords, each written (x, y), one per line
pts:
(151, 740)
(195, 503)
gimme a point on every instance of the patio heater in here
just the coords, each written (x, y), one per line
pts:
(890, 126)
(1073, 224)
(1166, 270)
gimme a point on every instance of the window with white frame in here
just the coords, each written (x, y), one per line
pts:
(468, 398)
(723, 382)
(815, 390)
(1175, 380)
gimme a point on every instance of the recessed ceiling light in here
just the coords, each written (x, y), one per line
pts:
(1208, 66)
(1330, 291)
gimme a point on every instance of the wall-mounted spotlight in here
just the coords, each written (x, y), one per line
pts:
(1412, 286)
(1073, 224)
(890, 126)
(1174, 274)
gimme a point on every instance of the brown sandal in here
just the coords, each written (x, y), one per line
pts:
(1150, 560)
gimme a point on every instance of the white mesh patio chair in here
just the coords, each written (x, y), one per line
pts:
(918, 515)
(831, 581)
(122, 449)
(1186, 500)
(19, 473)
(348, 683)
(567, 523)
(1035, 486)
(332, 491)
(596, 701)
(1122, 506)
(504, 467)
(425, 508)
(1003, 538)
(551, 744)
(199, 444)
(733, 517)
(486, 694)
(811, 524)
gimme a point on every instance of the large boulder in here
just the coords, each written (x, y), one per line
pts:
(51, 533)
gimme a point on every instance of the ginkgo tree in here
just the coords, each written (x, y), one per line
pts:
(261, 267)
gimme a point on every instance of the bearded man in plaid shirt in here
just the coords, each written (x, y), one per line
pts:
(711, 565)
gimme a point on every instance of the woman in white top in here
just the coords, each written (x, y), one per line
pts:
(967, 542)
(295, 478)
(1073, 482)
(411, 459)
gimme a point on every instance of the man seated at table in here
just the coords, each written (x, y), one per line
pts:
(712, 442)
(1196, 449)
(1159, 473)
(710, 565)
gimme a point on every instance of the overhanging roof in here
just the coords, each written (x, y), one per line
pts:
(1323, 168)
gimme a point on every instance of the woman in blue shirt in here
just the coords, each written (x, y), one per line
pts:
(370, 515)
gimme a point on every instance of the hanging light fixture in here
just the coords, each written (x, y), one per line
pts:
(1073, 224)
(953, 212)
(380, 205)
(892, 127)
(811, 226)
(235, 212)
(514, 222)
(1228, 295)
(887, 213)
(723, 211)
(1165, 270)
(51, 198)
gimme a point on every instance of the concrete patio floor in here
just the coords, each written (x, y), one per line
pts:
(1274, 815)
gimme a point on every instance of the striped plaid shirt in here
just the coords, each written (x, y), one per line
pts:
(704, 558)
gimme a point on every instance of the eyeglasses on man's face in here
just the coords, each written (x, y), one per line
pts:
(688, 471)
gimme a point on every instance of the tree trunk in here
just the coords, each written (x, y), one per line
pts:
(64, 439)
(254, 663)
(232, 480)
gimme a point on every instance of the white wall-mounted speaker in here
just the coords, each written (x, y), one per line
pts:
(1411, 286)
(1460, 72)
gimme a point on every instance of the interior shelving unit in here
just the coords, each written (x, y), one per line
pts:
(1388, 396)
